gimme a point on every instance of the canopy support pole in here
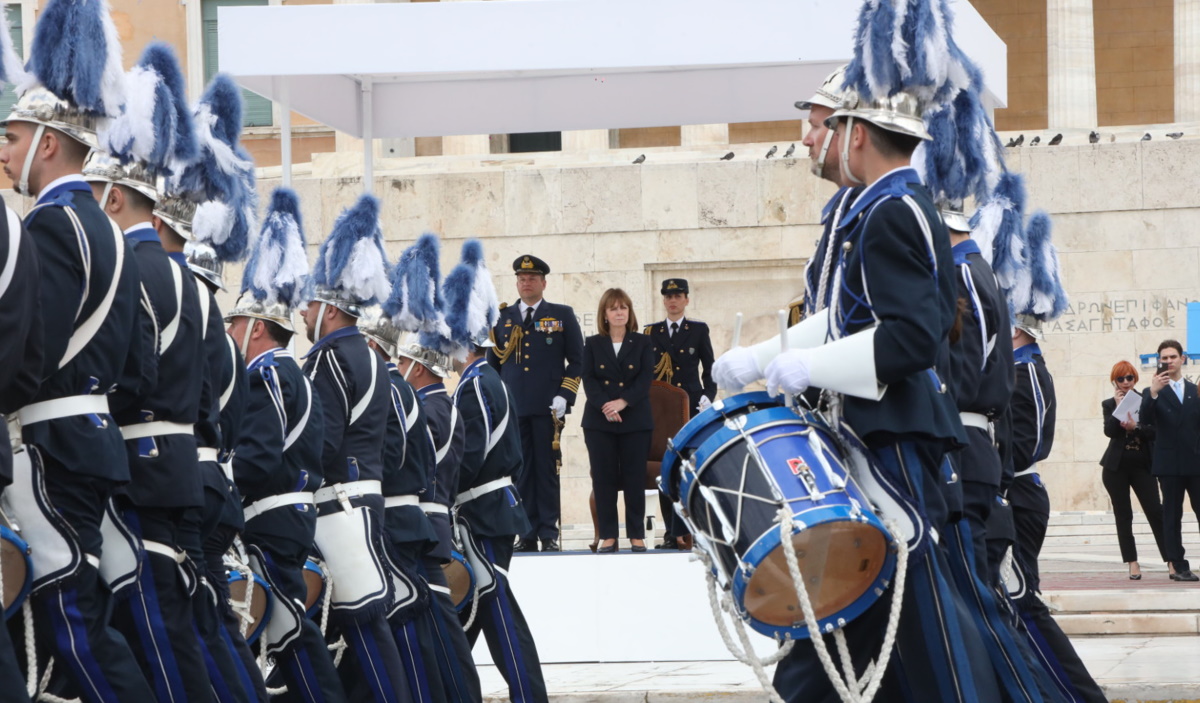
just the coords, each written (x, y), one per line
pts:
(285, 132)
(368, 127)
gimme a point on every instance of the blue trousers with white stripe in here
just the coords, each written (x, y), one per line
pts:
(417, 637)
(454, 658)
(504, 627)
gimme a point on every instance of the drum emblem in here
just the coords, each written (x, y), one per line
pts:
(797, 466)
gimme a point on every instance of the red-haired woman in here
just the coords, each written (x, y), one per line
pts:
(1126, 465)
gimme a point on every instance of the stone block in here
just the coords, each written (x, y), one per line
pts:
(410, 206)
(727, 193)
(1128, 624)
(1169, 172)
(1052, 178)
(787, 193)
(1097, 271)
(602, 199)
(1094, 354)
(624, 251)
(471, 204)
(1157, 269)
(532, 202)
(669, 196)
(1109, 179)
(566, 253)
(1079, 396)
(689, 245)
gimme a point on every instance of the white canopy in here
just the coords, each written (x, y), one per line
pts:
(430, 69)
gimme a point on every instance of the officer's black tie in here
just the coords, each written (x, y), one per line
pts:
(674, 329)
(528, 316)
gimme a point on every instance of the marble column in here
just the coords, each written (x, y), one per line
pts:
(1071, 64)
(1187, 60)
(704, 134)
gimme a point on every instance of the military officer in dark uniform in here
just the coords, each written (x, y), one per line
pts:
(20, 373)
(352, 383)
(491, 507)
(539, 350)
(683, 357)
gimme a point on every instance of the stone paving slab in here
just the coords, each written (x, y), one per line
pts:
(1128, 668)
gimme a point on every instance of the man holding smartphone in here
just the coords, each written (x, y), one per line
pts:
(1172, 407)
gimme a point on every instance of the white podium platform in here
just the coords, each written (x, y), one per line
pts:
(623, 607)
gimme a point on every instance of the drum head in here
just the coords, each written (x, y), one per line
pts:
(461, 581)
(314, 581)
(258, 607)
(16, 571)
(839, 561)
(701, 427)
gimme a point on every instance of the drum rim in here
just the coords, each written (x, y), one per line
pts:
(22, 547)
(717, 442)
(695, 425)
(457, 556)
(253, 635)
(740, 580)
(313, 565)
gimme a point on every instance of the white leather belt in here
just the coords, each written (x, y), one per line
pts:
(1031, 470)
(13, 422)
(63, 407)
(435, 508)
(977, 420)
(227, 469)
(259, 507)
(439, 589)
(207, 454)
(165, 550)
(350, 489)
(484, 489)
(398, 501)
(156, 429)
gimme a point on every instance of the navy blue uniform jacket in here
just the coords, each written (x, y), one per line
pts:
(408, 465)
(279, 447)
(547, 361)
(691, 357)
(1176, 430)
(448, 438)
(899, 276)
(164, 469)
(625, 375)
(352, 382)
(1033, 409)
(116, 355)
(21, 320)
(484, 404)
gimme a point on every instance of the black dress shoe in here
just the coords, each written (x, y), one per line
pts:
(637, 547)
(610, 549)
(550, 545)
(668, 542)
(1184, 576)
(526, 545)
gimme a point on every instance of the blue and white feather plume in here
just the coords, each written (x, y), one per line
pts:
(351, 264)
(471, 304)
(155, 125)
(12, 72)
(415, 303)
(278, 267)
(76, 54)
(1038, 291)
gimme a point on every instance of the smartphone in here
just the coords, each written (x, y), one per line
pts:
(1162, 368)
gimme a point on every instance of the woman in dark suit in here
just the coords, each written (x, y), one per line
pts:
(618, 365)
(1126, 465)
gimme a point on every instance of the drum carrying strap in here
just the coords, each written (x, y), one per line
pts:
(167, 336)
(14, 249)
(233, 377)
(86, 331)
(55, 554)
(445, 448)
(497, 431)
(298, 430)
(361, 406)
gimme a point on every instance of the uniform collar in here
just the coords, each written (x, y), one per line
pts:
(178, 257)
(142, 232)
(391, 366)
(267, 357)
(432, 389)
(1025, 354)
(347, 331)
(893, 184)
(521, 306)
(69, 182)
(966, 248)
(833, 203)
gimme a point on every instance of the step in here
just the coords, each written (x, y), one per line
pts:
(1141, 623)
(1130, 600)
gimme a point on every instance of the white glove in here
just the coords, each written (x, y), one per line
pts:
(736, 369)
(788, 372)
(704, 403)
(559, 406)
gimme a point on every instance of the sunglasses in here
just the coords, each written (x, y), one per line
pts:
(1123, 379)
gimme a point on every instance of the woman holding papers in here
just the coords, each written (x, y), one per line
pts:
(1126, 464)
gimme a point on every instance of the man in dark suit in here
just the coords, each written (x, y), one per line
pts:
(538, 353)
(682, 346)
(1172, 407)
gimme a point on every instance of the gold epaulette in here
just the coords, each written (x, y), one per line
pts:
(514, 343)
(571, 384)
(503, 305)
(665, 370)
(647, 329)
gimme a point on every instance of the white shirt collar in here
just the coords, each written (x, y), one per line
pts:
(140, 225)
(59, 181)
(525, 307)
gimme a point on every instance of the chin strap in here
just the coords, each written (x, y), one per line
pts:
(317, 326)
(819, 165)
(246, 336)
(22, 186)
(411, 364)
(108, 186)
(845, 165)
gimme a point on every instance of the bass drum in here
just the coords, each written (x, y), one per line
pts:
(260, 602)
(314, 582)
(462, 580)
(15, 566)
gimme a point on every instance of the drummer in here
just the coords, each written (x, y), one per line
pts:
(907, 315)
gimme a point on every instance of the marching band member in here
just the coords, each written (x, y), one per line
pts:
(351, 382)
(163, 504)
(277, 458)
(538, 352)
(191, 214)
(92, 341)
(682, 346)
(488, 502)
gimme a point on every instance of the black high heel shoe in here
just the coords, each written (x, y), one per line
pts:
(610, 549)
(638, 548)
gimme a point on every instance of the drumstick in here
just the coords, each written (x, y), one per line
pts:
(783, 330)
(737, 330)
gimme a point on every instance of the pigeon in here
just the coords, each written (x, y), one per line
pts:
(640, 159)
(1174, 135)
(1056, 140)
(1094, 137)
(1146, 137)
(790, 150)
(727, 157)
(1020, 139)
(1036, 140)
(771, 151)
